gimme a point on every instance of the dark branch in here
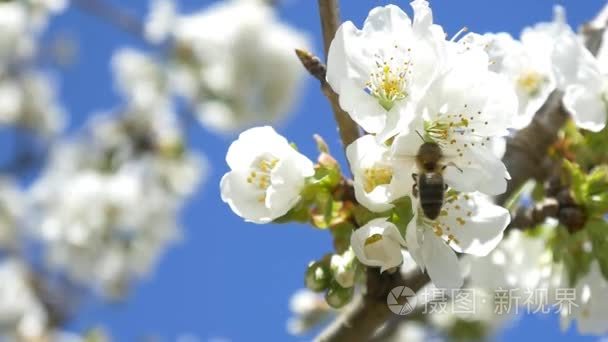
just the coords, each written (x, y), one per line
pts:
(369, 311)
(115, 16)
(330, 20)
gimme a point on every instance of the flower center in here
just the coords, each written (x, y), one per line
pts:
(374, 249)
(259, 175)
(388, 83)
(531, 82)
(373, 239)
(452, 217)
(376, 176)
(457, 130)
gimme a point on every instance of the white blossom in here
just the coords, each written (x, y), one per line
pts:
(463, 110)
(161, 18)
(378, 243)
(413, 331)
(267, 175)
(107, 203)
(28, 99)
(591, 301)
(518, 262)
(378, 178)
(308, 308)
(343, 268)
(548, 56)
(527, 64)
(577, 72)
(140, 78)
(468, 223)
(104, 228)
(228, 73)
(473, 305)
(381, 70)
(20, 308)
(585, 82)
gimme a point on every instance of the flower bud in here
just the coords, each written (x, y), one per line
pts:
(343, 268)
(337, 296)
(317, 276)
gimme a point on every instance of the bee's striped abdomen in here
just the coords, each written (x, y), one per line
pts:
(431, 189)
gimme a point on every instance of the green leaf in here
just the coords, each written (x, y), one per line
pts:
(598, 234)
(402, 214)
(341, 233)
(577, 181)
(572, 250)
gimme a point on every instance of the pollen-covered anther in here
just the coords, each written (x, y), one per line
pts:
(372, 239)
(531, 82)
(375, 176)
(260, 173)
(389, 82)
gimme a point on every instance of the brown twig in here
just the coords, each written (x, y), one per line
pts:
(526, 155)
(348, 129)
(369, 311)
(115, 16)
(329, 13)
(313, 65)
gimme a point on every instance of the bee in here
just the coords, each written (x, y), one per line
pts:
(429, 186)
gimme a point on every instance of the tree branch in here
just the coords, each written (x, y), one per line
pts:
(115, 16)
(368, 312)
(525, 157)
(329, 11)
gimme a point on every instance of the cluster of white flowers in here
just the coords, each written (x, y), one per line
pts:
(27, 96)
(407, 86)
(550, 56)
(308, 309)
(108, 200)
(20, 307)
(524, 263)
(228, 73)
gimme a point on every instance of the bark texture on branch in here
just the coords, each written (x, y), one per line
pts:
(525, 159)
(113, 15)
(329, 12)
(370, 311)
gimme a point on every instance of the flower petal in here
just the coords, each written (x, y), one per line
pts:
(586, 107)
(234, 191)
(441, 262)
(363, 108)
(476, 224)
(251, 143)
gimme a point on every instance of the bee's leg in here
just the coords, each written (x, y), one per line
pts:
(451, 164)
(415, 186)
(415, 177)
(445, 187)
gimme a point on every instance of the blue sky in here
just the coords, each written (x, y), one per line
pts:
(229, 279)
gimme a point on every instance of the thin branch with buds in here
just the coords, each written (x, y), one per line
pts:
(115, 16)
(330, 20)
